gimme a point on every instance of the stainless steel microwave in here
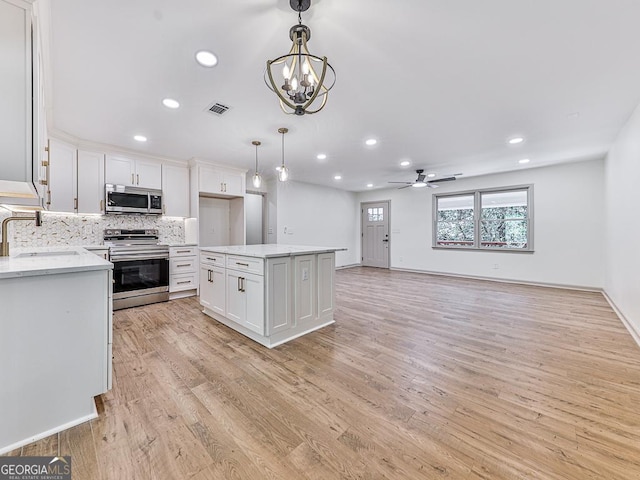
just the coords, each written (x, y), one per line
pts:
(123, 199)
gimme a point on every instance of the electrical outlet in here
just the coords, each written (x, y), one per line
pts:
(496, 266)
(400, 259)
(305, 274)
(270, 231)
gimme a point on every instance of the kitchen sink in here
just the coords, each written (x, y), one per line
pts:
(46, 254)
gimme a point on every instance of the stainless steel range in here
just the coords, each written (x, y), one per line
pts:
(140, 267)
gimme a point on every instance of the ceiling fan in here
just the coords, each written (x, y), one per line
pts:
(420, 182)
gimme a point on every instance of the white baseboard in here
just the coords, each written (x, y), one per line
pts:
(630, 326)
(351, 265)
(502, 280)
(52, 431)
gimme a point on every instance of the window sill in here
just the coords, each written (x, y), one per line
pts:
(473, 249)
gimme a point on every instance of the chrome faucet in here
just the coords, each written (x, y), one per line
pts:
(4, 246)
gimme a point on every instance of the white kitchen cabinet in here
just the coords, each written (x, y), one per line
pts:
(16, 146)
(76, 179)
(221, 181)
(63, 177)
(55, 344)
(213, 284)
(274, 293)
(183, 272)
(175, 190)
(245, 299)
(90, 191)
(136, 173)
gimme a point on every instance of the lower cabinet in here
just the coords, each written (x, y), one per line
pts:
(270, 300)
(213, 288)
(183, 272)
(245, 299)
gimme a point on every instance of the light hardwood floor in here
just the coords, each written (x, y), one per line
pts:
(421, 377)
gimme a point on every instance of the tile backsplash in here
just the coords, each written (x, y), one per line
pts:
(77, 229)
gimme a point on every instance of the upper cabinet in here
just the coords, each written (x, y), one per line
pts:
(175, 190)
(90, 174)
(63, 178)
(76, 179)
(16, 99)
(136, 173)
(225, 182)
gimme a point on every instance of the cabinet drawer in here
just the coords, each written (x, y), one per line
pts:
(246, 264)
(183, 282)
(212, 259)
(182, 265)
(183, 251)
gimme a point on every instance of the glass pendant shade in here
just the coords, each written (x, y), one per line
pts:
(257, 179)
(283, 171)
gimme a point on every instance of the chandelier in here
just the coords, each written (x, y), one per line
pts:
(307, 78)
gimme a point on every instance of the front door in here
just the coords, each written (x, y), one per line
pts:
(375, 234)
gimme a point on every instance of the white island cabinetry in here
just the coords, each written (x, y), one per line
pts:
(269, 293)
(55, 341)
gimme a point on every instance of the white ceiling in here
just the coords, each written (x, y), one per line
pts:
(442, 83)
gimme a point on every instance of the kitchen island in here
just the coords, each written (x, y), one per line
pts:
(55, 341)
(269, 293)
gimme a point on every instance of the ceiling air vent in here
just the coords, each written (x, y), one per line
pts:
(217, 108)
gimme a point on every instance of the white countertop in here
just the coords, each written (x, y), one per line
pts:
(24, 262)
(270, 250)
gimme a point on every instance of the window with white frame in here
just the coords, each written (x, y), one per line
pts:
(489, 219)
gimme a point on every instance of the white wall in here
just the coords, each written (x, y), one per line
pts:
(318, 216)
(568, 234)
(622, 242)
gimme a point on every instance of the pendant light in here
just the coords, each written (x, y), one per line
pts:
(283, 171)
(257, 179)
(307, 78)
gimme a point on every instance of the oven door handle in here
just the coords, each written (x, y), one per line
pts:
(146, 256)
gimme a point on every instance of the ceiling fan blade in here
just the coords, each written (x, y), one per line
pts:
(406, 183)
(445, 179)
(432, 186)
(406, 186)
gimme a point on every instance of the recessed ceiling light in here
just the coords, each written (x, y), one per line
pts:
(405, 163)
(206, 58)
(431, 175)
(515, 140)
(337, 177)
(321, 156)
(140, 138)
(524, 160)
(573, 116)
(371, 141)
(170, 103)
(369, 185)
